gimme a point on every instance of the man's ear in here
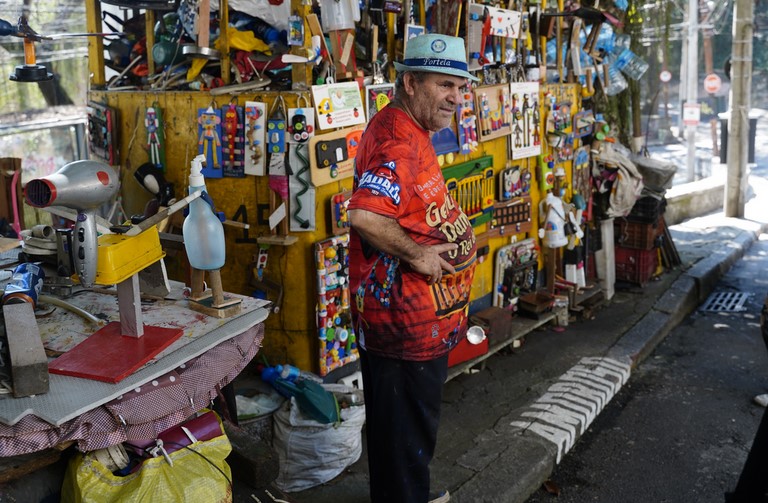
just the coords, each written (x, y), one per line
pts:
(409, 80)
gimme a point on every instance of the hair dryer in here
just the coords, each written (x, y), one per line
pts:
(82, 186)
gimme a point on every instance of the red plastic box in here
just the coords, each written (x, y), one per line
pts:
(464, 351)
(636, 266)
(639, 235)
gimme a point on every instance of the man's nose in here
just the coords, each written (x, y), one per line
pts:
(455, 96)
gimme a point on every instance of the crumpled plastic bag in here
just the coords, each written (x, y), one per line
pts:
(628, 184)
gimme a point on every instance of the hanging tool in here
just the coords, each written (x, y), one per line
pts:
(203, 29)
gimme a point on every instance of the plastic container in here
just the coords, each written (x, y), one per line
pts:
(616, 81)
(293, 374)
(265, 31)
(638, 235)
(632, 65)
(203, 231)
(288, 372)
(647, 210)
(636, 266)
(621, 41)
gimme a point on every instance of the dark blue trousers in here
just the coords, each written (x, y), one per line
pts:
(402, 413)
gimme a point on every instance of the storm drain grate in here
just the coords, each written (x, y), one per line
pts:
(726, 302)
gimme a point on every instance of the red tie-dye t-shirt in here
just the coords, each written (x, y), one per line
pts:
(396, 312)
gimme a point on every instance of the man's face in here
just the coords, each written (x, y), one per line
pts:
(434, 99)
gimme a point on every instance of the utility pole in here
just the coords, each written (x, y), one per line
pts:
(707, 33)
(692, 83)
(739, 107)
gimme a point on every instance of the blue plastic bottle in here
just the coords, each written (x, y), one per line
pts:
(202, 229)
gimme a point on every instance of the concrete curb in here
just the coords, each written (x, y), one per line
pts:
(687, 292)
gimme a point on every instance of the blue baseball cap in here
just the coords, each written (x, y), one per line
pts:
(436, 53)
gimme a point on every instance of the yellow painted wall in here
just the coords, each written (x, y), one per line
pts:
(291, 333)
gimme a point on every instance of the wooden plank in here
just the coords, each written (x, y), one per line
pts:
(7, 244)
(149, 32)
(129, 305)
(226, 70)
(346, 50)
(95, 44)
(162, 214)
(29, 365)
(15, 467)
(108, 356)
(205, 306)
(315, 29)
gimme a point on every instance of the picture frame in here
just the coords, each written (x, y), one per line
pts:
(493, 109)
(411, 31)
(338, 105)
(377, 96)
(526, 134)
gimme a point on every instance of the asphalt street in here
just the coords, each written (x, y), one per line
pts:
(681, 428)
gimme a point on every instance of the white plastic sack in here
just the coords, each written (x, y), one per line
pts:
(275, 15)
(312, 453)
(339, 14)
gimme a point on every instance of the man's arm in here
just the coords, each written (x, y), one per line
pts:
(385, 234)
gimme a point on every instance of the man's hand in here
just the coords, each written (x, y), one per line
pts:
(385, 234)
(431, 264)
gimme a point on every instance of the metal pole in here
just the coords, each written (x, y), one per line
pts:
(739, 106)
(692, 83)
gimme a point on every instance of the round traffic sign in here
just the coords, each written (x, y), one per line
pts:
(665, 76)
(712, 83)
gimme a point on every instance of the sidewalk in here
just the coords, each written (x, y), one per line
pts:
(504, 427)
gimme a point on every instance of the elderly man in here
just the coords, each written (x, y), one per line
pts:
(412, 259)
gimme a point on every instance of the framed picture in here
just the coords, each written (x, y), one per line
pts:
(494, 111)
(377, 96)
(338, 341)
(338, 105)
(412, 30)
(526, 135)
